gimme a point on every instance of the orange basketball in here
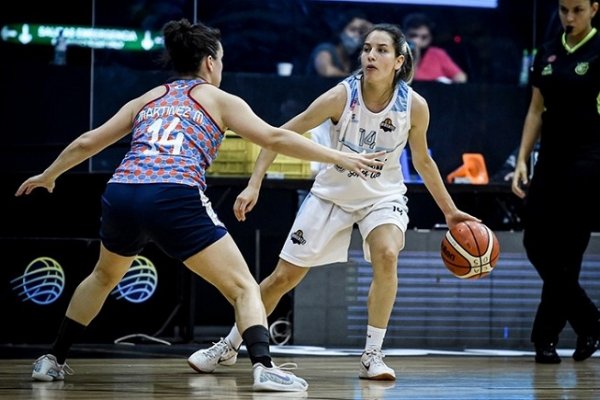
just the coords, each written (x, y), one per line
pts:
(470, 250)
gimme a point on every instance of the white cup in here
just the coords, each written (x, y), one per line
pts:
(285, 68)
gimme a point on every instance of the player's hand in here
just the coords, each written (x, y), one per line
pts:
(358, 163)
(245, 202)
(520, 179)
(34, 182)
(459, 216)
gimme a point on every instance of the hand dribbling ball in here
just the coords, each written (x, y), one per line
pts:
(470, 250)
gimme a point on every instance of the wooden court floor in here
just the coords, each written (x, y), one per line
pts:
(418, 377)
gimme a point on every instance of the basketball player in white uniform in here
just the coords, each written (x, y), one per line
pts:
(373, 110)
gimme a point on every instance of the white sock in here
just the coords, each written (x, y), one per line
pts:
(234, 338)
(374, 338)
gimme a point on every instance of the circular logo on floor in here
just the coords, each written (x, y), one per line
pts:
(42, 282)
(139, 283)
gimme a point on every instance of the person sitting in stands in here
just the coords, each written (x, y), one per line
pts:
(339, 57)
(432, 63)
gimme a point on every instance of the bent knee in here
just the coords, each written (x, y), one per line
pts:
(106, 278)
(386, 256)
(240, 291)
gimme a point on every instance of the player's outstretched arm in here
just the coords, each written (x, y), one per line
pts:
(82, 148)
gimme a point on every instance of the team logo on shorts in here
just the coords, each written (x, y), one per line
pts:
(42, 282)
(298, 237)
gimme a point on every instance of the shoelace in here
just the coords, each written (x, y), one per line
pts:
(375, 357)
(68, 370)
(217, 348)
(288, 366)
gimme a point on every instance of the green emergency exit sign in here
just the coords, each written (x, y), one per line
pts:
(86, 36)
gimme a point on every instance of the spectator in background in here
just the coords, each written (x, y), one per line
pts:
(339, 57)
(432, 63)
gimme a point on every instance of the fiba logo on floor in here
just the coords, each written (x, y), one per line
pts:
(42, 282)
(139, 283)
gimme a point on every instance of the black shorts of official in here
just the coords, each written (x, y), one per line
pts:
(177, 218)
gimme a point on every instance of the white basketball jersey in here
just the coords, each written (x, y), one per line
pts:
(362, 131)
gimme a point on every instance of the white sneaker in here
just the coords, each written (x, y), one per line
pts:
(206, 360)
(277, 379)
(47, 369)
(373, 367)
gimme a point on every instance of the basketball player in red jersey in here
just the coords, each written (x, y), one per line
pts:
(157, 194)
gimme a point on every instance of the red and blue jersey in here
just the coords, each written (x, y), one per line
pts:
(174, 140)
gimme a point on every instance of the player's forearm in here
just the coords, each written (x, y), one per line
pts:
(263, 162)
(441, 197)
(303, 148)
(435, 185)
(74, 154)
(531, 130)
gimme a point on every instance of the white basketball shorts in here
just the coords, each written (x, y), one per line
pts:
(322, 230)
